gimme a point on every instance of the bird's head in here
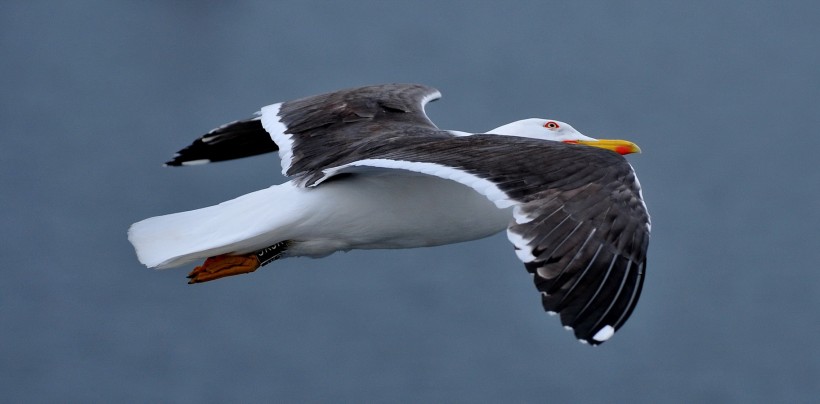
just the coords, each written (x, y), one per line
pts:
(548, 129)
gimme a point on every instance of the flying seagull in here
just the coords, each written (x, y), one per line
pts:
(369, 170)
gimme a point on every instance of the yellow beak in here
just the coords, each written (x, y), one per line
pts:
(618, 146)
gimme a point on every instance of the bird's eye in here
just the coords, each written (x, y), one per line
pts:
(551, 125)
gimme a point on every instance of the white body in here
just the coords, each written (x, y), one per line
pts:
(399, 210)
(393, 204)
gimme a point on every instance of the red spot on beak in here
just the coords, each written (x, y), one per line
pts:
(622, 150)
(570, 141)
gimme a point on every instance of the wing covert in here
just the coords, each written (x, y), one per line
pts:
(327, 130)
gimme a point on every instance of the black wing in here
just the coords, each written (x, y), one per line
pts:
(580, 224)
(235, 140)
(585, 246)
(339, 116)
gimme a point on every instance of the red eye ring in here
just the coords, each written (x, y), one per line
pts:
(551, 125)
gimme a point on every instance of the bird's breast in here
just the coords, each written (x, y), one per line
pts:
(392, 211)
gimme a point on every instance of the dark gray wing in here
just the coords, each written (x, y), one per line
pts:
(338, 118)
(326, 130)
(585, 243)
(580, 224)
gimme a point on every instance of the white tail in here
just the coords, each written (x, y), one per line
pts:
(240, 225)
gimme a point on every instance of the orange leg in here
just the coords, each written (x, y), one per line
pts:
(222, 266)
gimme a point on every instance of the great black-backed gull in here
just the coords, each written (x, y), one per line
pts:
(369, 170)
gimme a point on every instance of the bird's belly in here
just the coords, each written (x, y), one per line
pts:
(392, 211)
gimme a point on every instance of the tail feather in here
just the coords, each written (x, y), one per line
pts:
(231, 141)
(241, 225)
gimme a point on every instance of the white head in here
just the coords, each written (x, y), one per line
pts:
(549, 129)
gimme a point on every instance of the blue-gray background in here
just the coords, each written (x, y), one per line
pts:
(723, 98)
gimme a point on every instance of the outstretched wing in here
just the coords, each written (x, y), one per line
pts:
(585, 246)
(339, 116)
(331, 129)
(580, 225)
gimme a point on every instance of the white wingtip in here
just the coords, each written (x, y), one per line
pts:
(196, 162)
(604, 334)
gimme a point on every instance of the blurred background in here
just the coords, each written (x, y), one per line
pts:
(721, 96)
